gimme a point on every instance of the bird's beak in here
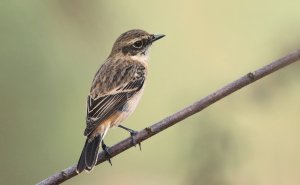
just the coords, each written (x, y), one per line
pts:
(157, 37)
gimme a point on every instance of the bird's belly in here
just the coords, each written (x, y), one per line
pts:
(128, 108)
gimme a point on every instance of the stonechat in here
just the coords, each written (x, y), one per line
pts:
(115, 92)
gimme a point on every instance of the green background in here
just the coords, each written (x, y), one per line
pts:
(50, 51)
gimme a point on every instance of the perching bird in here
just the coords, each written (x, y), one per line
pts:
(115, 92)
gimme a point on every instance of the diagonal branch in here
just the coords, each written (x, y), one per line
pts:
(146, 133)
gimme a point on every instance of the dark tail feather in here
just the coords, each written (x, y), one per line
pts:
(81, 163)
(89, 154)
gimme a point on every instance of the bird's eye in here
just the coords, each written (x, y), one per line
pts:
(138, 44)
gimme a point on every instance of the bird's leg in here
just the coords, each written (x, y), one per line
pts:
(132, 134)
(107, 153)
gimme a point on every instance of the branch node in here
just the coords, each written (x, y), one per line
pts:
(251, 76)
(149, 130)
(64, 174)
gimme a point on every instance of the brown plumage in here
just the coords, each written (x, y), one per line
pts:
(115, 91)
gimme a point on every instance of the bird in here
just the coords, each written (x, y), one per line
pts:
(115, 92)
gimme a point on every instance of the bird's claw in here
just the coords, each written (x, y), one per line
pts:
(134, 142)
(132, 134)
(107, 152)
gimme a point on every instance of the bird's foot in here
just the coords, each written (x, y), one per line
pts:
(107, 153)
(134, 142)
(133, 133)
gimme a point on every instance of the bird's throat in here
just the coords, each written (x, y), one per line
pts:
(143, 58)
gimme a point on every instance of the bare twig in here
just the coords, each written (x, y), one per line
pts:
(180, 115)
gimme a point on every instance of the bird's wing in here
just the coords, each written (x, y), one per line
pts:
(104, 106)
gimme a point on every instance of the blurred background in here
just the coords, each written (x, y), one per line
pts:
(50, 51)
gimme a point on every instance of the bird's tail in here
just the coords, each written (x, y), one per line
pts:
(89, 154)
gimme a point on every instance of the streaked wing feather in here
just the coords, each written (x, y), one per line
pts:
(103, 107)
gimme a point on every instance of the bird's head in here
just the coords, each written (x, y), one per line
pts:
(134, 43)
